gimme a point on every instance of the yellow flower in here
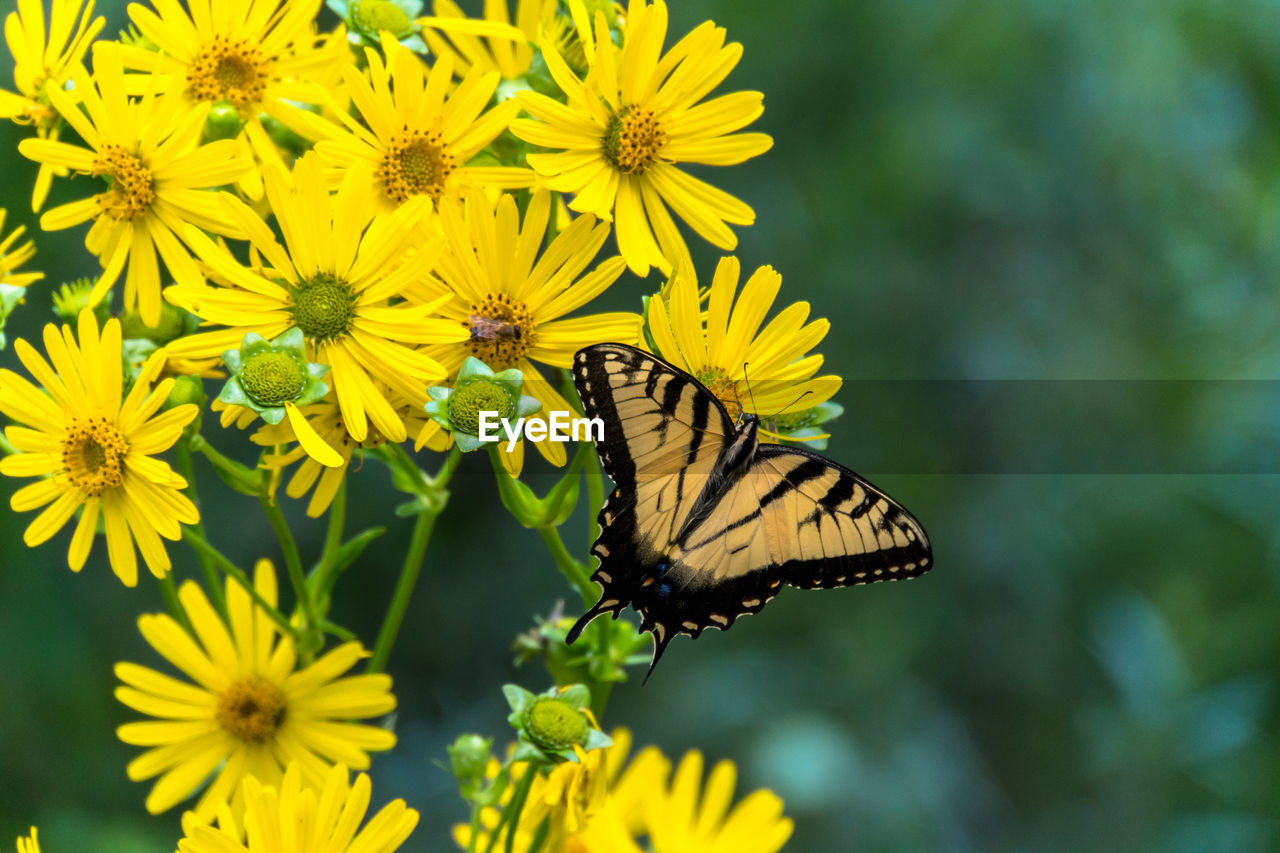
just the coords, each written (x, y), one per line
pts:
(511, 302)
(419, 131)
(628, 124)
(147, 153)
(250, 711)
(341, 268)
(325, 419)
(12, 257)
(601, 787)
(43, 60)
(764, 370)
(450, 32)
(297, 819)
(93, 451)
(689, 817)
(609, 805)
(29, 845)
(256, 54)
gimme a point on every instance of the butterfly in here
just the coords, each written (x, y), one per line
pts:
(707, 524)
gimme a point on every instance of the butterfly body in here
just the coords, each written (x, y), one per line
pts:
(706, 523)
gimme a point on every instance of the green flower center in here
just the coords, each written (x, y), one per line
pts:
(376, 15)
(634, 140)
(251, 710)
(468, 401)
(553, 725)
(271, 378)
(323, 308)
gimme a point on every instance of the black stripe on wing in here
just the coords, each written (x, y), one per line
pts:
(901, 549)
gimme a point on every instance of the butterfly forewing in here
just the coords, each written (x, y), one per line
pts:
(833, 527)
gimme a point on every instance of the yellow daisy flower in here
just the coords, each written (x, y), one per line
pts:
(43, 60)
(634, 802)
(325, 419)
(419, 131)
(450, 32)
(93, 451)
(631, 120)
(251, 711)
(511, 302)
(766, 370)
(690, 816)
(148, 153)
(291, 818)
(576, 794)
(30, 844)
(256, 54)
(13, 256)
(334, 282)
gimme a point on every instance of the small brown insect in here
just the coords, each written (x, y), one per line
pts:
(487, 330)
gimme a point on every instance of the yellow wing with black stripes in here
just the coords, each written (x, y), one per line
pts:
(705, 523)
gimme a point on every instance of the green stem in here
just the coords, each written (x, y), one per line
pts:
(321, 577)
(574, 572)
(174, 604)
(292, 559)
(434, 489)
(238, 575)
(211, 579)
(510, 817)
(475, 827)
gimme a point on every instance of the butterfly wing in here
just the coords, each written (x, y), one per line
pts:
(663, 436)
(795, 518)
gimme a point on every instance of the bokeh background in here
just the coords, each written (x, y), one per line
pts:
(979, 190)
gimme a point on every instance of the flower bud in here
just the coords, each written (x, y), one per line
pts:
(468, 757)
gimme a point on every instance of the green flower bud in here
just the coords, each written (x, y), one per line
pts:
(73, 297)
(267, 374)
(468, 401)
(478, 389)
(468, 757)
(374, 16)
(186, 389)
(10, 296)
(222, 122)
(270, 378)
(553, 725)
(174, 323)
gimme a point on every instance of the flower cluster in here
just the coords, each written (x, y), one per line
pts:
(357, 239)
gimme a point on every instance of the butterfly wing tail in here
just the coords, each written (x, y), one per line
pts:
(660, 640)
(604, 605)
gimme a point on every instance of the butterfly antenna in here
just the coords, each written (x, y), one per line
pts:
(755, 410)
(796, 400)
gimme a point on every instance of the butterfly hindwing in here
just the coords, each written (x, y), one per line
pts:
(705, 524)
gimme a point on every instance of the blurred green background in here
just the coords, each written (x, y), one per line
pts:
(968, 190)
